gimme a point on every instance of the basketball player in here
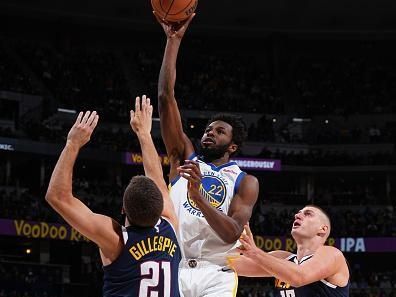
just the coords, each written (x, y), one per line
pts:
(142, 258)
(316, 269)
(213, 198)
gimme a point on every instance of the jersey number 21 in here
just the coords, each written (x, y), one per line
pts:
(151, 268)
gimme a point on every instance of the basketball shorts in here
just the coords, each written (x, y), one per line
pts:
(198, 278)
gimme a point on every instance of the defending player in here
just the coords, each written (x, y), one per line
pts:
(316, 269)
(213, 198)
(142, 258)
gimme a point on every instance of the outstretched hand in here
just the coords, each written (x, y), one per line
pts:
(174, 30)
(82, 129)
(190, 171)
(141, 117)
(248, 248)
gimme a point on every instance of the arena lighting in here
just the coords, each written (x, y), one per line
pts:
(192, 126)
(301, 120)
(156, 119)
(326, 121)
(72, 111)
(28, 251)
(274, 120)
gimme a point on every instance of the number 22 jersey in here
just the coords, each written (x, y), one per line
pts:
(219, 185)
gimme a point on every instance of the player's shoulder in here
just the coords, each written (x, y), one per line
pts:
(282, 254)
(249, 180)
(327, 250)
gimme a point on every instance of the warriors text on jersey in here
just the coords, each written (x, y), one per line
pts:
(321, 288)
(148, 263)
(197, 239)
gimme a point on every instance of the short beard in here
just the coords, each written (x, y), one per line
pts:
(210, 154)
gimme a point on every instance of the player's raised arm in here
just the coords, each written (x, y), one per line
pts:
(141, 122)
(100, 229)
(177, 144)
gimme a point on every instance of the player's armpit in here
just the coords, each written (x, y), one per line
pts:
(101, 229)
(243, 202)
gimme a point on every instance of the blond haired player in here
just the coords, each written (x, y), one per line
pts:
(315, 270)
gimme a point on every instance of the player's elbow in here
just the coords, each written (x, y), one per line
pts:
(50, 195)
(164, 98)
(232, 236)
(53, 197)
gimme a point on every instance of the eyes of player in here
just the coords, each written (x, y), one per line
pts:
(219, 130)
(306, 213)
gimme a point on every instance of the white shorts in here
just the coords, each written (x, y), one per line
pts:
(198, 278)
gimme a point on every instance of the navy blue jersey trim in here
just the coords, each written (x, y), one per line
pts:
(238, 181)
(217, 168)
(192, 156)
(173, 181)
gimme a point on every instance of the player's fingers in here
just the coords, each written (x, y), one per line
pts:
(187, 171)
(248, 231)
(79, 117)
(192, 163)
(144, 103)
(189, 174)
(95, 121)
(159, 19)
(85, 118)
(137, 105)
(191, 169)
(197, 170)
(186, 176)
(91, 118)
(148, 104)
(239, 249)
(195, 167)
(186, 24)
(195, 176)
(132, 115)
(189, 20)
(245, 238)
(245, 244)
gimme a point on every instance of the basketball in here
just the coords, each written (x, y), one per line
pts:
(174, 11)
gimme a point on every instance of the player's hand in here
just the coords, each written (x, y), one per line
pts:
(174, 30)
(190, 171)
(82, 129)
(248, 248)
(141, 117)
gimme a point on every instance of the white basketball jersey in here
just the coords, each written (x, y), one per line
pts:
(197, 239)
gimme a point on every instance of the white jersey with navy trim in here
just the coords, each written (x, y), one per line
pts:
(219, 185)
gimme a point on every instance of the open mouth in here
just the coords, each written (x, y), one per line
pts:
(208, 141)
(296, 224)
